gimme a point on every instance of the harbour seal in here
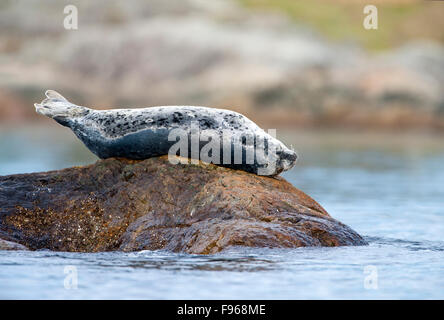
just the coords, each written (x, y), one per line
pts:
(143, 133)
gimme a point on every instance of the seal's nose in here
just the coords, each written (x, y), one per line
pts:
(290, 156)
(288, 159)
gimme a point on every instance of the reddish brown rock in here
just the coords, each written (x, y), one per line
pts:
(118, 204)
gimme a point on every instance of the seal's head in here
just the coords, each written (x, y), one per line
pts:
(287, 159)
(277, 159)
(57, 107)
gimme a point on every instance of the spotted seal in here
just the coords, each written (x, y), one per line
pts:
(143, 133)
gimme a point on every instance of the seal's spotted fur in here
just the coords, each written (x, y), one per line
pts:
(143, 133)
(115, 123)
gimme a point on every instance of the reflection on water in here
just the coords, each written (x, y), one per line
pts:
(389, 189)
(39, 149)
(405, 269)
(185, 262)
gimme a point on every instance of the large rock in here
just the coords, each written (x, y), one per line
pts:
(118, 204)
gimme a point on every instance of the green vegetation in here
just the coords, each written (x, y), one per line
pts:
(399, 21)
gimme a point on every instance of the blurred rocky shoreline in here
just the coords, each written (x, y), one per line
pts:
(280, 74)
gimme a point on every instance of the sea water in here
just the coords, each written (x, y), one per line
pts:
(392, 194)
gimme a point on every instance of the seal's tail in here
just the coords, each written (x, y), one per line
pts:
(55, 105)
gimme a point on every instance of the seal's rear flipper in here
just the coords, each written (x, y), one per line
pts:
(54, 95)
(55, 105)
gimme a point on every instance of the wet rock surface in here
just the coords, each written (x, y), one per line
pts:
(119, 204)
(9, 245)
